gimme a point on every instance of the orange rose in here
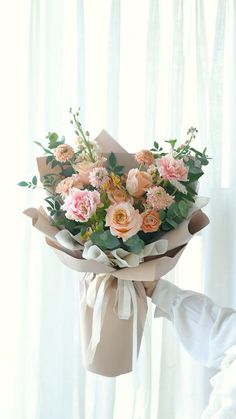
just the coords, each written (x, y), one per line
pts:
(138, 182)
(124, 220)
(151, 221)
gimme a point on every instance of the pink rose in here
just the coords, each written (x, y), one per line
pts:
(80, 205)
(124, 220)
(172, 169)
(138, 182)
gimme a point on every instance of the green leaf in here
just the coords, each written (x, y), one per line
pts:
(119, 168)
(23, 183)
(34, 180)
(166, 226)
(156, 145)
(57, 205)
(172, 143)
(45, 149)
(67, 172)
(162, 214)
(50, 203)
(111, 241)
(173, 223)
(112, 160)
(173, 210)
(183, 208)
(105, 240)
(49, 159)
(193, 177)
(134, 244)
(53, 137)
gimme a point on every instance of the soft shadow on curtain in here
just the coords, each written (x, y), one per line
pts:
(142, 70)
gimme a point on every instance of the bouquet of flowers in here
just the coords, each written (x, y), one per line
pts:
(123, 218)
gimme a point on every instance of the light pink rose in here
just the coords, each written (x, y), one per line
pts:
(172, 169)
(138, 182)
(124, 220)
(80, 205)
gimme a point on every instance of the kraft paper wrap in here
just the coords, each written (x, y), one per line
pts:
(114, 352)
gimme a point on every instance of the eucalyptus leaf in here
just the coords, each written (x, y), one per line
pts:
(183, 208)
(134, 244)
(105, 240)
(172, 223)
(23, 183)
(34, 180)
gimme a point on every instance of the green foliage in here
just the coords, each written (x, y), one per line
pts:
(50, 180)
(134, 244)
(112, 166)
(172, 143)
(105, 240)
(31, 184)
(54, 205)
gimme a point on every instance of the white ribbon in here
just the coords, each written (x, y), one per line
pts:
(125, 305)
(96, 298)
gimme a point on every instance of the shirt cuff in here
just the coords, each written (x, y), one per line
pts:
(163, 297)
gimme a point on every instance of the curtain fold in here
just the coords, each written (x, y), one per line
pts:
(145, 71)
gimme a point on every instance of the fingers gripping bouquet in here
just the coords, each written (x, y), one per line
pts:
(122, 218)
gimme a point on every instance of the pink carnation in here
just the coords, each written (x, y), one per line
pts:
(172, 169)
(80, 205)
(158, 198)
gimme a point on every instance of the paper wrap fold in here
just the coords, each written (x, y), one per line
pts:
(113, 300)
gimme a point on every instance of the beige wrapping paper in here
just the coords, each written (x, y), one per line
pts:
(113, 354)
(115, 351)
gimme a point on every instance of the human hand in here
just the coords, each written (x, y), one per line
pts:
(150, 286)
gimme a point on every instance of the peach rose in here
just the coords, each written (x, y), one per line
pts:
(124, 220)
(138, 182)
(117, 195)
(151, 221)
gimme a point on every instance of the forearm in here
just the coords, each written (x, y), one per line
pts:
(205, 329)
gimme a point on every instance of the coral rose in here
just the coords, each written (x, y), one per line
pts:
(124, 220)
(80, 205)
(138, 182)
(144, 157)
(151, 221)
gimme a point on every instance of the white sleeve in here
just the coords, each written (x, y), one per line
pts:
(205, 329)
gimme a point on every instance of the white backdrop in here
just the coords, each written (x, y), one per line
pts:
(143, 70)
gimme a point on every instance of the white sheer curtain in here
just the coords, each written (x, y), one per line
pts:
(143, 70)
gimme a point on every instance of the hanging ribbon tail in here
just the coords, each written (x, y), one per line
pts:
(99, 301)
